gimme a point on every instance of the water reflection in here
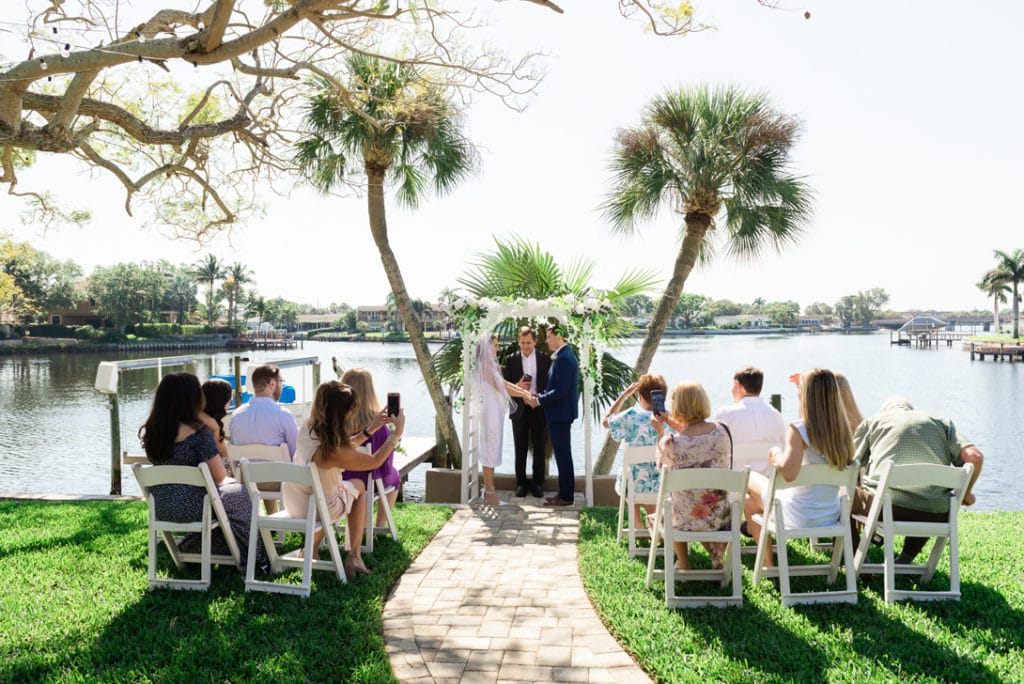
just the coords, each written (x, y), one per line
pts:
(55, 432)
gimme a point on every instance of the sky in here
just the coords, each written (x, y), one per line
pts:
(911, 142)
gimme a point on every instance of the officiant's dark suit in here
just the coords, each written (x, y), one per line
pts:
(529, 429)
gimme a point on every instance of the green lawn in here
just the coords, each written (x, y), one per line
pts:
(74, 606)
(979, 639)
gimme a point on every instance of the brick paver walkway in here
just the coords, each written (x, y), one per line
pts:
(496, 597)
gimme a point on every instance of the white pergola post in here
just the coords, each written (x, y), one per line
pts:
(497, 312)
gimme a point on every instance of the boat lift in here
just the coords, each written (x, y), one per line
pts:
(108, 375)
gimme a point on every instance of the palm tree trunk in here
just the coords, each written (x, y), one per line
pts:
(1016, 313)
(379, 230)
(697, 224)
(995, 313)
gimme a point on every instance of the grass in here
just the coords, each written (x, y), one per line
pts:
(978, 639)
(74, 606)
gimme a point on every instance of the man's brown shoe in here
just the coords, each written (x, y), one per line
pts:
(555, 501)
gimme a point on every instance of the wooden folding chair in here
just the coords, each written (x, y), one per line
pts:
(773, 523)
(879, 520)
(213, 516)
(629, 498)
(316, 516)
(735, 485)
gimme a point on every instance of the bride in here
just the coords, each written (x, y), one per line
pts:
(493, 393)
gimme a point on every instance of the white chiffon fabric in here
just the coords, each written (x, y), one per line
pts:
(492, 403)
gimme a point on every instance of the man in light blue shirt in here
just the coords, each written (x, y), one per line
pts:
(262, 420)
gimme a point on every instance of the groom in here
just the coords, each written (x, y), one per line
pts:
(560, 402)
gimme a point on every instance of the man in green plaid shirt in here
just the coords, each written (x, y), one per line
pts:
(901, 435)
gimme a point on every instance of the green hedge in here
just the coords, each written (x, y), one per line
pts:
(165, 329)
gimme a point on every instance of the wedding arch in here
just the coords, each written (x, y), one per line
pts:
(583, 319)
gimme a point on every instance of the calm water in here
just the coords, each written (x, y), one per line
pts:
(55, 434)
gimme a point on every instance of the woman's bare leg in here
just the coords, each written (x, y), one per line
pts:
(381, 519)
(754, 505)
(356, 526)
(682, 555)
(489, 496)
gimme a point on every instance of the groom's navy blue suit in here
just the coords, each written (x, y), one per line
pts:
(560, 402)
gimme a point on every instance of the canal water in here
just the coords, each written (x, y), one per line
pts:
(55, 428)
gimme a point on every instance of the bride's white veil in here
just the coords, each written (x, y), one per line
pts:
(487, 376)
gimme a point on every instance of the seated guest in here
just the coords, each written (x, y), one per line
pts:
(696, 443)
(262, 420)
(633, 426)
(174, 435)
(324, 440)
(822, 435)
(853, 415)
(366, 424)
(751, 419)
(901, 435)
(217, 394)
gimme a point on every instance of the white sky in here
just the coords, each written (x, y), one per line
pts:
(912, 143)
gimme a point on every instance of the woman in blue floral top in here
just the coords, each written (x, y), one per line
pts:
(633, 426)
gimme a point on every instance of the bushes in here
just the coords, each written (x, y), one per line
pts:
(166, 329)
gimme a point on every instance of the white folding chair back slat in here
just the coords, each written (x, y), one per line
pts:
(753, 454)
(259, 453)
(263, 524)
(735, 485)
(879, 521)
(773, 523)
(628, 525)
(213, 516)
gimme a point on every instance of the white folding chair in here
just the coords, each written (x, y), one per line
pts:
(629, 498)
(879, 520)
(257, 453)
(376, 491)
(213, 516)
(773, 523)
(316, 516)
(752, 454)
(735, 485)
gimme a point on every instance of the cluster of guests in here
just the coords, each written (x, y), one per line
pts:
(830, 430)
(347, 435)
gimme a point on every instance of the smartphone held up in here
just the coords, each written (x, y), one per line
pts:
(394, 403)
(658, 402)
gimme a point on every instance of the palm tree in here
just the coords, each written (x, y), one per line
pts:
(996, 288)
(237, 276)
(208, 272)
(519, 269)
(1010, 271)
(715, 156)
(391, 124)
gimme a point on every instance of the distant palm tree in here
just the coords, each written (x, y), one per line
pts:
(715, 156)
(1010, 270)
(996, 288)
(208, 272)
(237, 276)
(391, 124)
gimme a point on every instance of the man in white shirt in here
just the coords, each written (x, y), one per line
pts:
(751, 419)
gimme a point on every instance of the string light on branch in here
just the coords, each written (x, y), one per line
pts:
(43, 65)
(141, 38)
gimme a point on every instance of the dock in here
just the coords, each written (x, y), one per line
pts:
(264, 343)
(998, 352)
(926, 339)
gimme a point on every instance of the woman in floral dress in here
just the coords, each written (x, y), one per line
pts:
(696, 444)
(633, 426)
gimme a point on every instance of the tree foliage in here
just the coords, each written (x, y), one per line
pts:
(859, 309)
(189, 104)
(34, 282)
(128, 293)
(1010, 271)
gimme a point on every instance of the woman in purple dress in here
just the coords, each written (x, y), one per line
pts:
(174, 434)
(367, 426)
